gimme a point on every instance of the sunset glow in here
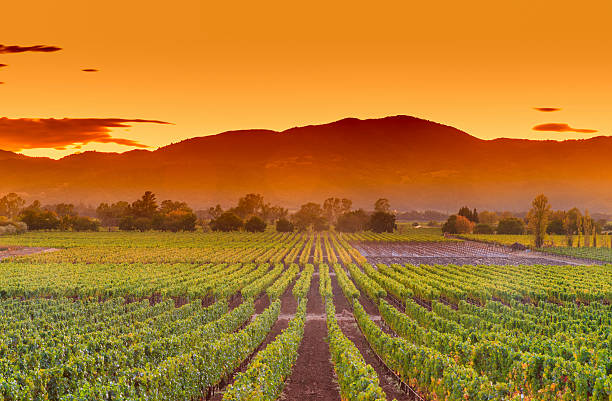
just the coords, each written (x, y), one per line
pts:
(210, 67)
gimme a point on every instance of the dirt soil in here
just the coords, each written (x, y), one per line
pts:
(282, 323)
(11, 251)
(458, 253)
(313, 376)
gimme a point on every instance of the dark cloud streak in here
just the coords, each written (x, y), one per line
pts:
(89, 70)
(22, 49)
(546, 109)
(561, 127)
(30, 133)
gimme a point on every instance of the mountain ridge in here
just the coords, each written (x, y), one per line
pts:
(415, 163)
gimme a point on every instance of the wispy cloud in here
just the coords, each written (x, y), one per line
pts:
(22, 49)
(561, 127)
(30, 133)
(547, 109)
(89, 70)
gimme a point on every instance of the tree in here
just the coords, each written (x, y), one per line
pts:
(64, 209)
(111, 215)
(351, 222)
(587, 226)
(555, 224)
(169, 206)
(486, 217)
(228, 221)
(179, 220)
(381, 222)
(309, 214)
(145, 206)
(10, 205)
(482, 228)
(457, 224)
(284, 226)
(574, 220)
(255, 225)
(511, 226)
(334, 207)
(271, 213)
(347, 204)
(249, 205)
(382, 205)
(471, 215)
(538, 219)
(215, 212)
(39, 219)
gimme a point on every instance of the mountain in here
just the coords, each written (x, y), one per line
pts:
(415, 163)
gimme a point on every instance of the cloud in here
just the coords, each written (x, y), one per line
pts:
(546, 109)
(21, 49)
(3, 65)
(30, 133)
(89, 70)
(560, 127)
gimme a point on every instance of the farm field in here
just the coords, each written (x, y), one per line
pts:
(556, 244)
(238, 316)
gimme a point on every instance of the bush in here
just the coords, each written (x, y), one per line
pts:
(228, 221)
(143, 223)
(351, 222)
(79, 223)
(284, 226)
(555, 227)
(255, 225)
(457, 225)
(382, 222)
(179, 220)
(511, 225)
(484, 229)
(127, 223)
(38, 219)
(8, 227)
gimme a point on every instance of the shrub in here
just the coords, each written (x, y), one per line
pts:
(255, 225)
(511, 225)
(483, 229)
(381, 222)
(284, 226)
(228, 221)
(351, 222)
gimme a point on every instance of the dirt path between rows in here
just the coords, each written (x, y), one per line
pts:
(12, 251)
(349, 327)
(313, 376)
(288, 309)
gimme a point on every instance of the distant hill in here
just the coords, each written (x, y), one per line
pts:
(417, 164)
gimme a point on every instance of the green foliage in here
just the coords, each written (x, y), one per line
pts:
(309, 216)
(264, 378)
(510, 226)
(228, 221)
(382, 222)
(302, 285)
(255, 225)
(482, 228)
(351, 222)
(284, 226)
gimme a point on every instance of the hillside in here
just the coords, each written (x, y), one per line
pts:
(415, 163)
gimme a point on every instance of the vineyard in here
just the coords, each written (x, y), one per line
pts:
(600, 247)
(298, 316)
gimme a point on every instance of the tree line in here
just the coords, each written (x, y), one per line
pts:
(252, 213)
(580, 229)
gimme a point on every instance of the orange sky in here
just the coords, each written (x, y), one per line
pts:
(206, 67)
